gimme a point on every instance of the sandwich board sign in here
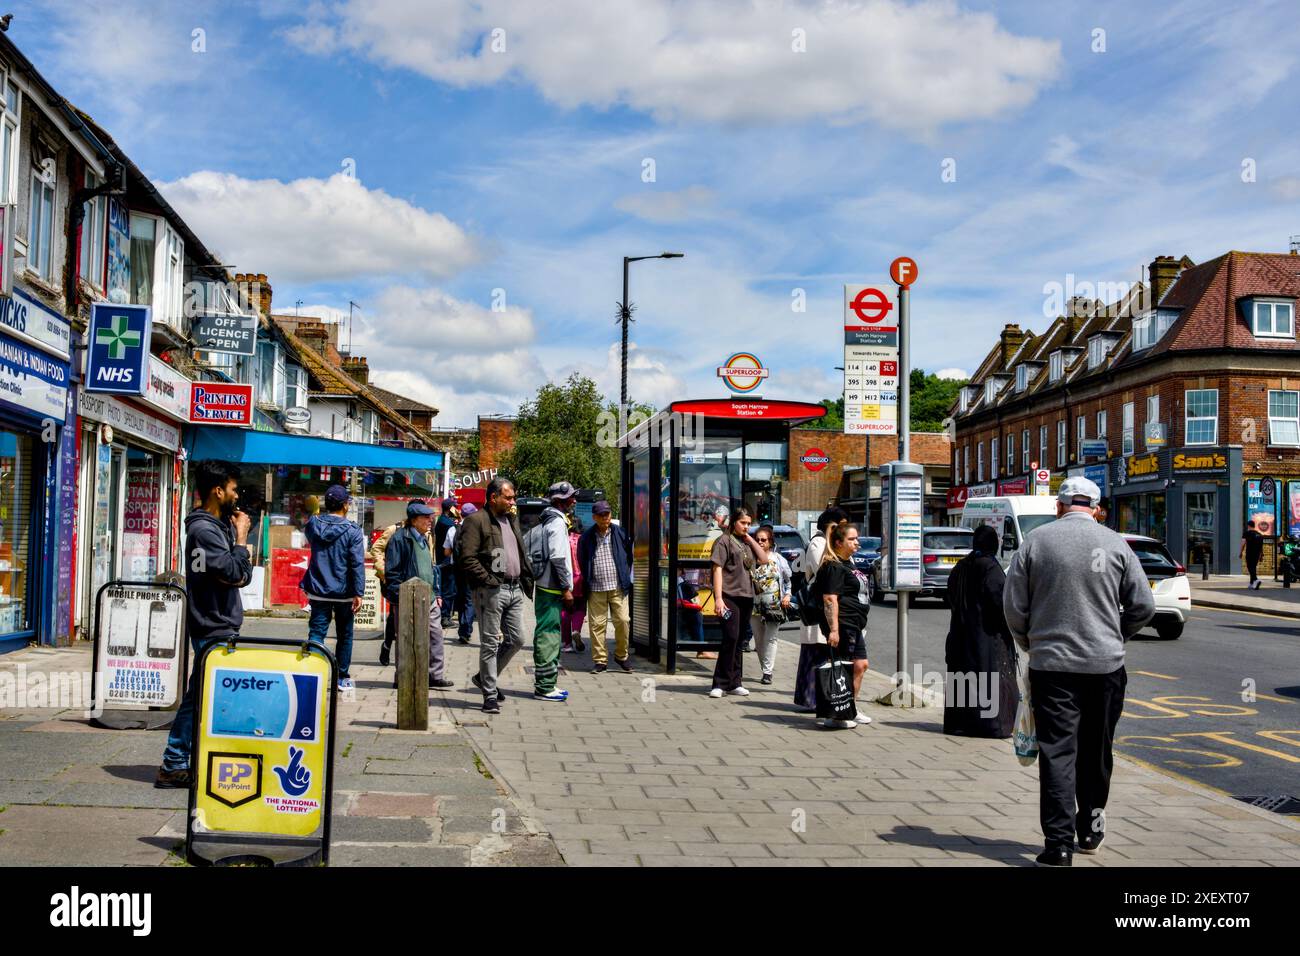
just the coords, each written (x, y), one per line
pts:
(262, 753)
(140, 654)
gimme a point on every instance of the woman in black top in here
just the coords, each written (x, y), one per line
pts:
(846, 600)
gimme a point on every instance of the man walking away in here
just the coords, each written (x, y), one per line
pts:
(376, 554)
(1075, 593)
(492, 557)
(605, 558)
(335, 580)
(1252, 549)
(410, 555)
(464, 606)
(446, 523)
(547, 547)
(217, 565)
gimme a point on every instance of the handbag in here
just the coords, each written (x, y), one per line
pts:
(835, 691)
(1025, 736)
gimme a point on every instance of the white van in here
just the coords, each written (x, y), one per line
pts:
(1012, 516)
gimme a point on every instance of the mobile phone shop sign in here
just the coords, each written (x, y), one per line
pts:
(138, 646)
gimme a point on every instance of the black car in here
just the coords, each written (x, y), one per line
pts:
(868, 553)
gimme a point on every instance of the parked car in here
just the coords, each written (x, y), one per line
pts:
(941, 548)
(1169, 585)
(868, 553)
(790, 545)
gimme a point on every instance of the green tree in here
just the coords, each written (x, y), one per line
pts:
(834, 418)
(931, 397)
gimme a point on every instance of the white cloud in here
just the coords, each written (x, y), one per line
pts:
(693, 202)
(312, 230)
(908, 66)
(1287, 187)
(952, 374)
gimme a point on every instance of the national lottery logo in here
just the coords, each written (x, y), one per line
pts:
(294, 778)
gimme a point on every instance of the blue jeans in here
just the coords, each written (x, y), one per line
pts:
(446, 574)
(465, 611)
(319, 624)
(177, 754)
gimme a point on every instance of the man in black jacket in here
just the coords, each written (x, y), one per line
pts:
(497, 572)
(605, 559)
(217, 565)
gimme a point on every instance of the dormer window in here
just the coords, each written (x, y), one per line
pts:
(964, 398)
(1098, 347)
(991, 388)
(1056, 366)
(1272, 318)
(1150, 328)
(1022, 378)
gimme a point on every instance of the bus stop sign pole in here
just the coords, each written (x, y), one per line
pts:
(903, 271)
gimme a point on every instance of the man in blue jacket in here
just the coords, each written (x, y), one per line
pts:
(605, 558)
(336, 576)
(217, 565)
(410, 554)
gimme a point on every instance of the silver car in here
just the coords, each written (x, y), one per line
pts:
(941, 548)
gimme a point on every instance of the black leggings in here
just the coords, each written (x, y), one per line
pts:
(727, 673)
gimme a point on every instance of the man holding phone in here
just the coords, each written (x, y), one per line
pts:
(217, 565)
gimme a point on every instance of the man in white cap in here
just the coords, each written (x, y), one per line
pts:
(1075, 593)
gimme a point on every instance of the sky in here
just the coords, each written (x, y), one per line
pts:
(471, 174)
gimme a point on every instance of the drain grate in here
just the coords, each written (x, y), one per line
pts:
(1278, 804)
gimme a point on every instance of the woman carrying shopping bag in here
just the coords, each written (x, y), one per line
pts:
(846, 601)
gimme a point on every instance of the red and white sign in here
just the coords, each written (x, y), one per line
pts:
(221, 403)
(903, 271)
(1014, 486)
(957, 497)
(871, 305)
(871, 367)
(814, 459)
(1042, 476)
(726, 408)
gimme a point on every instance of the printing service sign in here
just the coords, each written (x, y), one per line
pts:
(117, 359)
(263, 740)
(139, 630)
(221, 403)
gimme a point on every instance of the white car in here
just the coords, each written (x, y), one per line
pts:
(1169, 585)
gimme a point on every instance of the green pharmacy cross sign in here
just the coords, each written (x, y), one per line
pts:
(118, 349)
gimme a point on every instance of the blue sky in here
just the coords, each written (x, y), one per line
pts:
(776, 169)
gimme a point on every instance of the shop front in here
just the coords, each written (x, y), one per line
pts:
(679, 468)
(35, 383)
(280, 497)
(1190, 498)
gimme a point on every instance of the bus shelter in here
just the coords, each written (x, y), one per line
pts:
(681, 468)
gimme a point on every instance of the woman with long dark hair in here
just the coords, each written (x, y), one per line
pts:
(734, 556)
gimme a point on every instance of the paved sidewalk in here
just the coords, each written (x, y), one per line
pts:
(72, 794)
(1229, 592)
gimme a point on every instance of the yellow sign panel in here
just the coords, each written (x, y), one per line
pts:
(263, 744)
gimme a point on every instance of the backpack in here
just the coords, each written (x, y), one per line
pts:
(537, 551)
(810, 606)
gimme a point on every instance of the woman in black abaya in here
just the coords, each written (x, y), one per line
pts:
(981, 694)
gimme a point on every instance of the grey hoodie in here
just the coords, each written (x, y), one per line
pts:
(1075, 593)
(550, 538)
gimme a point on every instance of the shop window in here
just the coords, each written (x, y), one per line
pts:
(9, 144)
(17, 460)
(1202, 416)
(1127, 445)
(142, 520)
(1273, 319)
(1284, 418)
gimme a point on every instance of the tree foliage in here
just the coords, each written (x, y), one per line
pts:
(931, 399)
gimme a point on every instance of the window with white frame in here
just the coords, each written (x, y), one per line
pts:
(266, 365)
(158, 269)
(1202, 416)
(1056, 366)
(979, 461)
(12, 110)
(1022, 378)
(1098, 346)
(1080, 433)
(1060, 443)
(40, 220)
(1284, 418)
(1042, 445)
(1024, 450)
(1153, 413)
(1011, 453)
(296, 387)
(991, 389)
(1127, 442)
(1273, 318)
(94, 230)
(993, 457)
(1101, 424)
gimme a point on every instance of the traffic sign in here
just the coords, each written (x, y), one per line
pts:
(871, 360)
(871, 305)
(903, 271)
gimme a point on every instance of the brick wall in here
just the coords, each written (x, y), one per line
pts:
(496, 437)
(811, 490)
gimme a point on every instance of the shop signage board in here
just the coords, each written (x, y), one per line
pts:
(902, 498)
(167, 390)
(1014, 486)
(1094, 448)
(32, 379)
(263, 753)
(1209, 462)
(1140, 467)
(1155, 435)
(139, 645)
(871, 335)
(985, 490)
(957, 497)
(226, 333)
(128, 420)
(1262, 504)
(117, 351)
(33, 323)
(221, 403)
(370, 614)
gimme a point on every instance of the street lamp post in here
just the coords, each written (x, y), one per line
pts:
(625, 316)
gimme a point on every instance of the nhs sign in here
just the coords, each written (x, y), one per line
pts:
(118, 349)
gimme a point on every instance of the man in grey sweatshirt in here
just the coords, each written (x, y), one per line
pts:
(1075, 593)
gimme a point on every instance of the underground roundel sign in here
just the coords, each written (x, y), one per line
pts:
(814, 459)
(743, 372)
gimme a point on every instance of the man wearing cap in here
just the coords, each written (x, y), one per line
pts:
(497, 572)
(1075, 593)
(605, 558)
(549, 554)
(464, 606)
(446, 521)
(410, 555)
(335, 579)
(377, 552)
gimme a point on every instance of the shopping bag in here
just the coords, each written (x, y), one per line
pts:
(1025, 737)
(835, 691)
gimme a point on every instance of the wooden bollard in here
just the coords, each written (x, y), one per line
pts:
(413, 600)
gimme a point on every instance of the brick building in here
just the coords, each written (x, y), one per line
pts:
(496, 436)
(1179, 399)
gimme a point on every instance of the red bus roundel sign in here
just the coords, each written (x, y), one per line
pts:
(814, 459)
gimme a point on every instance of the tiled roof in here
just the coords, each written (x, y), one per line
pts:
(401, 402)
(1209, 296)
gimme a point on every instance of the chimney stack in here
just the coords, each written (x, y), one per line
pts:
(255, 289)
(1012, 339)
(1161, 273)
(358, 368)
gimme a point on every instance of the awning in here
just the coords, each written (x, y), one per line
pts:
(273, 448)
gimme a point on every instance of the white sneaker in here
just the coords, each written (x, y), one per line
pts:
(556, 694)
(716, 693)
(863, 719)
(834, 724)
(739, 692)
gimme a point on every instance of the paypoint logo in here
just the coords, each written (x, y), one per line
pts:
(743, 372)
(234, 779)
